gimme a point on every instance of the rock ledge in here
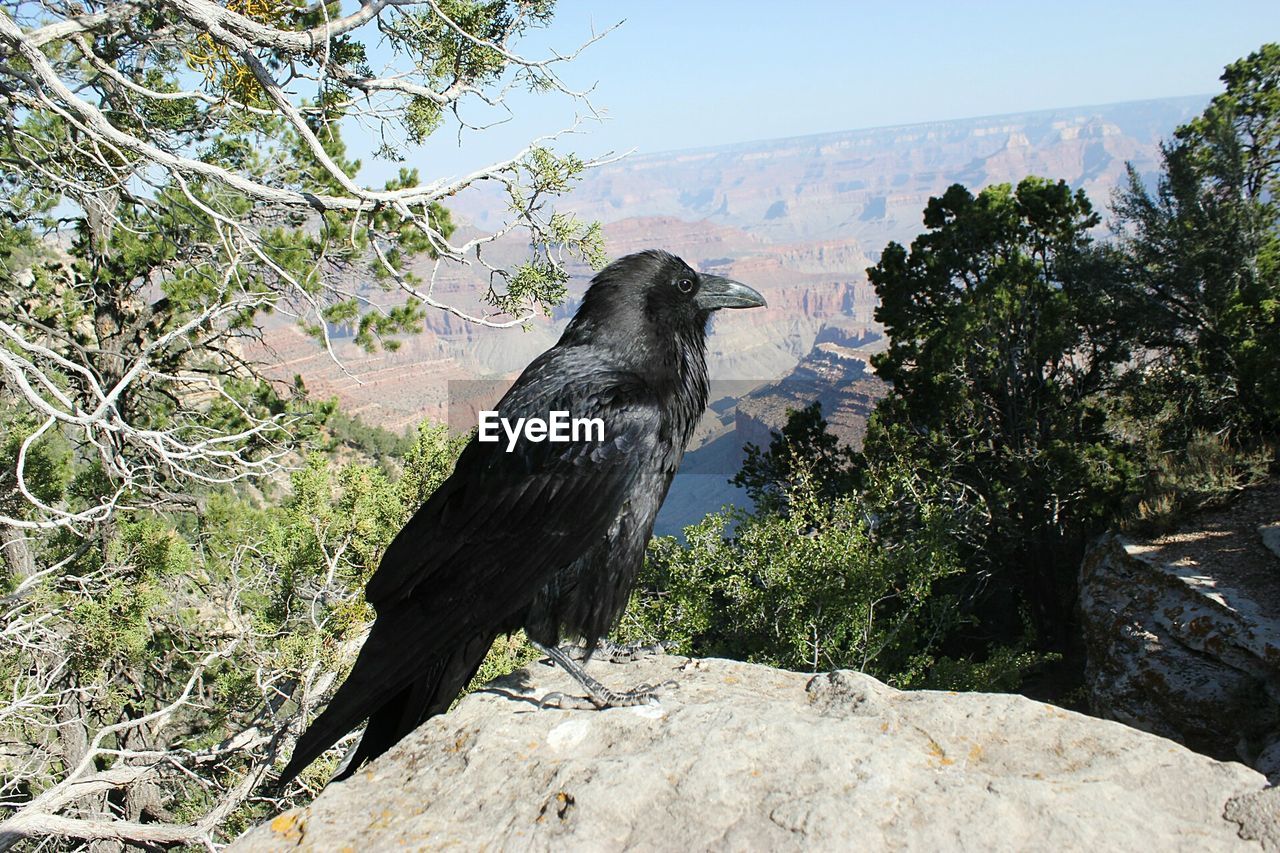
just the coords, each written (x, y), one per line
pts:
(744, 757)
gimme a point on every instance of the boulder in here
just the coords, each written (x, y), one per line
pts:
(744, 757)
(1183, 631)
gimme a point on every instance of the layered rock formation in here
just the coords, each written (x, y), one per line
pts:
(743, 757)
(1183, 631)
(871, 185)
(836, 375)
(808, 287)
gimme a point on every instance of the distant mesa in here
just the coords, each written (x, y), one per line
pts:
(826, 182)
(698, 200)
(874, 209)
(836, 373)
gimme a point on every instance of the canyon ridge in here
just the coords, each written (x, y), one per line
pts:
(800, 219)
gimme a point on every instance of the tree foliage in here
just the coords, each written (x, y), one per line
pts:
(1043, 384)
(1002, 341)
(203, 638)
(812, 588)
(1046, 385)
(813, 579)
(181, 557)
(1201, 258)
(175, 171)
(803, 447)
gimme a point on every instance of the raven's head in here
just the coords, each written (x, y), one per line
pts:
(654, 294)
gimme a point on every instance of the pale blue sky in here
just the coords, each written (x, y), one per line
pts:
(689, 74)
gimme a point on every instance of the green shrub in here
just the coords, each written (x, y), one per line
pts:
(807, 589)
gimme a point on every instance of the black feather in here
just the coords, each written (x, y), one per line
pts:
(550, 536)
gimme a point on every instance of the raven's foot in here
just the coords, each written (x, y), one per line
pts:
(613, 652)
(598, 696)
(645, 694)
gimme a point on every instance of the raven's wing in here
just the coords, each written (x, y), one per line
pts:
(495, 532)
(504, 521)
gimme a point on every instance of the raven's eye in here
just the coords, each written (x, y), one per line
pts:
(685, 285)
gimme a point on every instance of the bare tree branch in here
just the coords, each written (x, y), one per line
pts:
(175, 172)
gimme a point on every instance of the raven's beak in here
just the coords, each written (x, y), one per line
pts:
(716, 291)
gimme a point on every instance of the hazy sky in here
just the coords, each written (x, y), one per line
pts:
(688, 74)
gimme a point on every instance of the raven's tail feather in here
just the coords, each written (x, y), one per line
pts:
(426, 698)
(394, 716)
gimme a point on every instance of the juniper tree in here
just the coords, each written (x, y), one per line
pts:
(172, 172)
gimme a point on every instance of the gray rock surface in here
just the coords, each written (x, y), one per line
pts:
(1270, 535)
(1258, 815)
(744, 757)
(1183, 631)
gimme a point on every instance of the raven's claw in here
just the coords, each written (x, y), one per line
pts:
(645, 694)
(565, 702)
(598, 696)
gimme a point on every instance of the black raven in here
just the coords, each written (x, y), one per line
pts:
(547, 536)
